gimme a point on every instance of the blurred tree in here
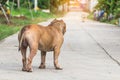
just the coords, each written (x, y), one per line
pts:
(117, 9)
(44, 4)
(62, 2)
(18, 4)
(109, 6)
(54, 5)
(3, 1)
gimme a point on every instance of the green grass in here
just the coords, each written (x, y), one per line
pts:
(90, 16)
(29, 13)
(6, 31)
(113, 21)
(17, 23)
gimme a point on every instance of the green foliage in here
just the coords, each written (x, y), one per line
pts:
(25, 4)
(6, 31)
(54, 4)
(90, 16)
(109, 6)
(3, 1)
(27, 13)
(44, 4)
(18, 22)
(117, 9)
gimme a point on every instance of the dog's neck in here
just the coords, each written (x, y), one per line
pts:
(58, 26)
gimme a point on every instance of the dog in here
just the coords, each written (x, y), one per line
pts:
(43, 38)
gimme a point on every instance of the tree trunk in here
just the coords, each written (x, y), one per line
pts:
(35, 5)
(53, 6)
(18, 4)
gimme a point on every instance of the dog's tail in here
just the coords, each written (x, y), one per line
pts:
(21, 38)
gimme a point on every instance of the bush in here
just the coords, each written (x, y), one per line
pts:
(44, 4)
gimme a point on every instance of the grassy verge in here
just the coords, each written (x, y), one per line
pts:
(113, 21)
(90, 16)
(30, 17)
(6, 31)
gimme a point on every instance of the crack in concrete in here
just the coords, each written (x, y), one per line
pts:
(116, 61)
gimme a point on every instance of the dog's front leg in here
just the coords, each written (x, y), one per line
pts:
(56, 54)
(43, 56)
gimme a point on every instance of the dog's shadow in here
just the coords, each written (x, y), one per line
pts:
(16, 68)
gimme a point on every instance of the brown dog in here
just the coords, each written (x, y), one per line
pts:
(44, 38)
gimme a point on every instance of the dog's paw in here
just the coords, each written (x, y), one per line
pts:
(59, 68)
(42, 67)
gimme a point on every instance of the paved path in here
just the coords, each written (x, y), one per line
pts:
(91, 51)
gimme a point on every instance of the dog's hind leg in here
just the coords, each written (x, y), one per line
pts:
(33, 51)
(23, 52)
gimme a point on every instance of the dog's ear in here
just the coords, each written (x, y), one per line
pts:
(64, 29)
(62, 26)
(54, 19)
(61, 20)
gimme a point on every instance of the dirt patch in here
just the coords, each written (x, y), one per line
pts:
(3, 20)
(20, 17)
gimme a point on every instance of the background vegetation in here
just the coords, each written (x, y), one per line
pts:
(110, 7)
(21, 12)
(23, 15)
(54, 5)
(16, 23)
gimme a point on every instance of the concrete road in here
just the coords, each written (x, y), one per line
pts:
(91, 51)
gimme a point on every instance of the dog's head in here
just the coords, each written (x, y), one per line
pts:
(60, 24)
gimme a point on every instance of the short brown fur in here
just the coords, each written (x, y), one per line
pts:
(44, 38)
